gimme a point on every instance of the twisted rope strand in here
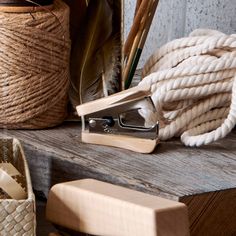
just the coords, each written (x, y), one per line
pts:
(204, 39)
(193, 85)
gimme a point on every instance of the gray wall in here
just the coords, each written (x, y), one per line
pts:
(177, 18)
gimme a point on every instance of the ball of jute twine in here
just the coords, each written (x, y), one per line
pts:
(34, 67)
(193, 84)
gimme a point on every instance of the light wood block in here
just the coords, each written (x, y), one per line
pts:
(23, 9)
(140, 145)
(54, 234)
(99, 208)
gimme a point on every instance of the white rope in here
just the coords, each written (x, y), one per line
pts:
(193, 85)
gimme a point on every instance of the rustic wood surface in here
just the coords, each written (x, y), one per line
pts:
(203, 178)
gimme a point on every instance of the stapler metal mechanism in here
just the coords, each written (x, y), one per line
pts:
(115, 121)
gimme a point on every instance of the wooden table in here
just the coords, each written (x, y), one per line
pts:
(203, 178)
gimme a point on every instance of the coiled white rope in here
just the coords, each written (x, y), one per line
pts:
(193, 85)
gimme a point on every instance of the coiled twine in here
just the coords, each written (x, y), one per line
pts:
(34, 67)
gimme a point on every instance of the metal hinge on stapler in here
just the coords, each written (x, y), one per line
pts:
(115, 121)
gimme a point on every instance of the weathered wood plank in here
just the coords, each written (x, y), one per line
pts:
(172, 169)
(207, 169)
(189, 175)
(213, 213)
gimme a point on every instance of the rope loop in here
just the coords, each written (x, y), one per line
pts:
(193, 85)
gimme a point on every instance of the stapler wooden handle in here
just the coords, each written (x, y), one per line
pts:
(104, 123)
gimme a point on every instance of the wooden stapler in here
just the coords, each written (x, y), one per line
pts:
(115, 121)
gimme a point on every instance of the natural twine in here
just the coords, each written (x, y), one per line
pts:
(34, 67)
(193, 84)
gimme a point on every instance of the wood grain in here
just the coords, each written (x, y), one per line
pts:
(23, 9)
(212, 213)
(54, 234)
(172, 171)
(99, 208)
(141, 145)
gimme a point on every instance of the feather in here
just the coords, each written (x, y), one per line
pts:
(109, 55)
(96, 54)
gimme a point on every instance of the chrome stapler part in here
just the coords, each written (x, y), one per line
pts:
(115, 121)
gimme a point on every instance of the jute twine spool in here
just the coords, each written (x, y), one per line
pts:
(34, 67)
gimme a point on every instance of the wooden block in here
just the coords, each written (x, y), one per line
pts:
(19, 6)
(140, 145)
(54, 234)
(99, 208)
(24, 9)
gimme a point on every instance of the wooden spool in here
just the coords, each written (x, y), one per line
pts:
(21, 6)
